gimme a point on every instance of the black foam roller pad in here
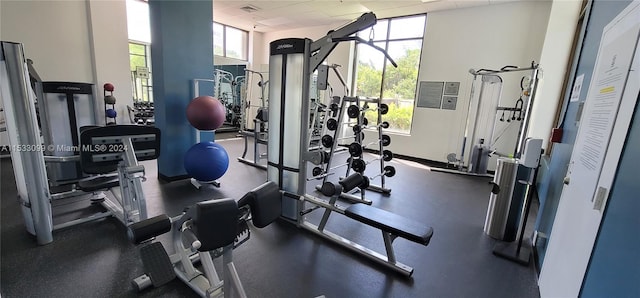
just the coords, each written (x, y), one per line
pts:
(354, 180)
(149, 228)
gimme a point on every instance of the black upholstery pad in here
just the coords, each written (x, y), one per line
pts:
(265, 202)
(215, 223)
(98, 183)
(390, 222)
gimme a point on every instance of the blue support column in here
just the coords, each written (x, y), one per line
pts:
(181, 50)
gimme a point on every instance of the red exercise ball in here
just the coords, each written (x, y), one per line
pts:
(206, 113)
(108, 87)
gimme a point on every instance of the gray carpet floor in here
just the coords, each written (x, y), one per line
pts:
(96, 260)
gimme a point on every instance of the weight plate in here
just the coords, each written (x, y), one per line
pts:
(389, 171)
(332, 124)
(317, 171)
(384, 109)
(387, 155)
(327, 141)
(386, 140)
(355, 149)
(353, 111)
(358, 165)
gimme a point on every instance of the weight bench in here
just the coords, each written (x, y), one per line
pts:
(391, 225)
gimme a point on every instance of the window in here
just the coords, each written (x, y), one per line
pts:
(230, 42)
(375, 77)
(139, 55)
(140, 71)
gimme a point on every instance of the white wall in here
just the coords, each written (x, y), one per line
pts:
(76, 41)
(221, 60)
(341, 55)
(554, 60)
(54, 34)
(109, 43)
(457, 40)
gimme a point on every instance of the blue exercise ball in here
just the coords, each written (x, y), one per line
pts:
(206, 161)
(111, 113)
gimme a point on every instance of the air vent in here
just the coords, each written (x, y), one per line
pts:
(249, 8)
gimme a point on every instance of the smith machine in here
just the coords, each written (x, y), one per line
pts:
(292, 62)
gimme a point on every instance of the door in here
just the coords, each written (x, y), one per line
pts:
(609, 107)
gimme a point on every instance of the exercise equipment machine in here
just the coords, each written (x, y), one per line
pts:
(358, 108)
(63, 108)
(260, 122)
(117, 147)
(225, 90)
(391, 225)
(479, 137)
(95, 150)
(211, 229)
(292, 62)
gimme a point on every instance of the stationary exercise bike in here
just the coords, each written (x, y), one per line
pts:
(211, 229)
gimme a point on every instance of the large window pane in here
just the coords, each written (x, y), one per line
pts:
(377, 32)
(400, 82)
(376, 77)
(369, 75)
(218, 39)
(236, 43)
(137, 49)
(409, 27)
(138, 20)
(399, 88)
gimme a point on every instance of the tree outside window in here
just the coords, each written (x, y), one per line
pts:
(375, 77)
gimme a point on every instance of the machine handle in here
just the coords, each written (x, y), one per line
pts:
(360, 40)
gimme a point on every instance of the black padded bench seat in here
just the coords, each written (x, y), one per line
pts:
(390, 222)
(98, 183)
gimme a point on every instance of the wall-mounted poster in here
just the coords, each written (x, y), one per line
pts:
(430, 94)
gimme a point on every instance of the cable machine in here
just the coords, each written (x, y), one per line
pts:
(479, 135)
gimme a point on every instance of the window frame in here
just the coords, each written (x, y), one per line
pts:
(386, 41)
(224, 41)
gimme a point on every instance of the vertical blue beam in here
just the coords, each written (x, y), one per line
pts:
(181, 50)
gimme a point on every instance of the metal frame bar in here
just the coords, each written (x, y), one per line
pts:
(206, 283)
(320, 50)
(257, 156)
(20, 112)
(359, 249)
(388, 260)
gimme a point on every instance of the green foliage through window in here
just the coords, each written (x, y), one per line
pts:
(377, 78)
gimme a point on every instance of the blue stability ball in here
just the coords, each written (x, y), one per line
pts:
(111, 113)
(206, 161)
